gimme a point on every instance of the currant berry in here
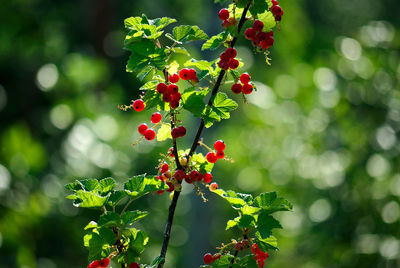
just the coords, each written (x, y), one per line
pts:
(274, 2)
(171, 187)
(94, 264)
(192, 74)
(226, 24)
(250, 33)
(258, 25)
(172, 89)
(244, 78)
(138, 105)
(208, 258)
(195, 175)
(207, 177)
(223, 14)
(225, 57)
(267, 43)
(233, 63)
(173, 78)
(104, 262)
(232, 21)
(175, 133)
(277, 11)
(181, 131)
(236, 88)
(161, 88)
(219, 145)
(171, 152)
(188, 180)
(179, 175)
(166, 97)
(156, 117)
(135, 264)
(220, 154)
(262, 36)
(213, 186)
(168, 174)
(217, 256)
(247, 88)
(149, 134)
(231, 52)
(174, 104)
(142, 128)
(184, 74)
(176, 96)
(211, 157)
(164, 168)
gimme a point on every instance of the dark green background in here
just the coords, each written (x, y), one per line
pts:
(322, 130)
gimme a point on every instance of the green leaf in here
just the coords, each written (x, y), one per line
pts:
(160, 23)
(231, 224)
(247, 261)
(143, 73)
(164, 132)
(150, 85)
(180, 50)
(137, 241)
(199, 64)
(186, 33)
(269, 202)
(115, 197)
(91, 225)
(209, 116)
(265, 224)
(193, 101)
(130, 217)
(109, 219)
(222, 105)
(268, 19)
(266, 243)
(99, 242)
(249, 210)
(201, 164)
(237, 200)
(258, 6)
(86, 199)
(246, 221)
(215, 41)
(265, 199)
(142, 185)
(153, 99)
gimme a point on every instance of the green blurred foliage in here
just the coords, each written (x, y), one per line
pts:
(322, 129)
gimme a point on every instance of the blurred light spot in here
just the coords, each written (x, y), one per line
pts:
(102, 155)
(364, 68)
(112, 43)
(246, 56)
(264, 97)
(280, 172)
(390, 212)
(390, 248)
(320, 210)
(5, 178)
(47, 77)
(345, 69)
(106, 127)
(386, 137)
(51, 186)
(249, 179)
(45, 263)
(329, 99)
(292, 221)
(286, 86)
(350, 48)
(3, 98)
(179, 236)
(395, 185)
(318, 120)
(367, 244)
(61, 116)
(308, 167)
(378, 166)
(293, 146)
(377, 32)
(325, 79)
(383, 82)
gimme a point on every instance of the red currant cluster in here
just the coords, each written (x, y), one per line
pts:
(225, 17)
(245, 85)
(219, 146)
(260, 255)
(208, 258)
(242, 245)
(178, 132)
(147, 132)
(227, 59)
(100, 264)
(258, 38)
(276, 10)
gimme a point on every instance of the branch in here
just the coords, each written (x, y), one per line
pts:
(218, 83)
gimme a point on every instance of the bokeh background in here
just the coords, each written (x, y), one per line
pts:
(322, 130)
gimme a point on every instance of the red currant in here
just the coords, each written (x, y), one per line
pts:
(184, 74)
(174, 104)
(213, 186)
(225, 57)
(142, 128)
(244, 78)
(267, 43)
(176, 96)
(236, 88)
(172, 89)
(217, 256)
(138, 105)
(175, 133)
(104, 262)
(134, 265)
(207, 177)
(247, 88)
(94, 264)
(219, 145)
(220, 154)
(211, 157)
(274, 2)
(171, 187)
(166, 97)
(156, 117)
(188, 180)
(233, 63)
(208, 258)
(262, 36)
(173, 78)
(181, 131)
(231, 52)
(250, 33)
(258, 25)
(164, 168)
(161, 88)
(195, 175)
(149, 134)
(277, 11)
(232, 21)
(192, 74)
(223, 14)
(179, 175)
